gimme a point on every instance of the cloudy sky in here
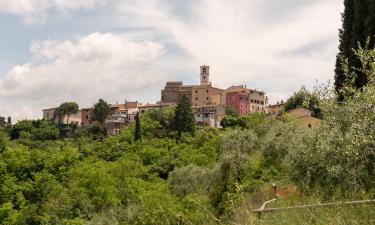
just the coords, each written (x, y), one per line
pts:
(53, 51)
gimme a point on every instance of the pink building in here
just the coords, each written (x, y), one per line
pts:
(239, 101)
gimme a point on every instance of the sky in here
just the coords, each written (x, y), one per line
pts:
(52, 51)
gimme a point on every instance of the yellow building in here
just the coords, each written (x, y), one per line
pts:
(199, 95)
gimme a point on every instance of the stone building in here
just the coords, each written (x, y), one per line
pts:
(202, 94)
(275, 110)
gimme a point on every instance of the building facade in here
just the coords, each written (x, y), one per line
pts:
(275, 110)
(50, 114)
(116, 122)
(202, 94)
(257, 99)
(239, 101)
(208, 115)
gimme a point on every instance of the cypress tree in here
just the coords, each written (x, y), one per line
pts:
(137, 134)
(359, 37)
(345, 44)
(184, 117)
(370, 23)
(358, 25)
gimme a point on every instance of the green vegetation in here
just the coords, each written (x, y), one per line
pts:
(138, 132)
(358, 25)
(306, 99)
(210, 176)
(184, 118)
(67, 109)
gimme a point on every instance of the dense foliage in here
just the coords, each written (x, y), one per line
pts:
(304, 98)
(358, 25)
(208, 178)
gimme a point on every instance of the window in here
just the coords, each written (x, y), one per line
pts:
(196, 91)
(204, 77)
(251, 92)
(309, 126)
(196, 98)
(262, 102)
(87, 117)
(207, 91)
(207, 98)
(252, 100)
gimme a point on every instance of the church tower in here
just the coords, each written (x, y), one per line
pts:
(205, 75)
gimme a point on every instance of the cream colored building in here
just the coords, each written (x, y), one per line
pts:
(49, 114)
(199, 95)
(304, 117)
(208, 115)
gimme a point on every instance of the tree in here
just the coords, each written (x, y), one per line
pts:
(137, 133)
(9, 121)
(370, 23)
(230, 111)
(184, 117)
(100, 111)
(68, 109)
(345, 45)
(358, 25)
(306, 99)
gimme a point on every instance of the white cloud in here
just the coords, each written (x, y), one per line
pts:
(98, 65)
(262, 43)
(36, 11)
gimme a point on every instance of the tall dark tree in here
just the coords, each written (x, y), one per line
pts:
(359, 37)
(137, 133)
(358, 25)
(370, 23)
(100, 112)
(184, 117)
(345, 46)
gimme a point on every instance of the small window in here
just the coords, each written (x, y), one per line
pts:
(204, 77)
(207, 90)
(207, 98)
(87, 117)
(262, 102)
(196, 91)
(196, 98)
(309, 126)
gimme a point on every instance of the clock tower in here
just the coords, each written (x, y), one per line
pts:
(205, 75)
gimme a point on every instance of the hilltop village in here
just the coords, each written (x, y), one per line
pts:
(208, 103)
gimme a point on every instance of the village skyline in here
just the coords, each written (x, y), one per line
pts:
(58, 51)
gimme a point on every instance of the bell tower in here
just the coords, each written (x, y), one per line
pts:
(205, 75)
